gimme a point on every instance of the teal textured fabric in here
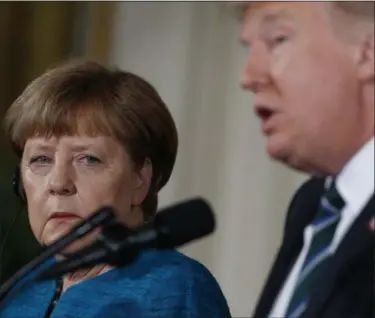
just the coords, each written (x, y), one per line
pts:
(159, 284)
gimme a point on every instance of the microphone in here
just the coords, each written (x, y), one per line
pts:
(119, 246)
(103, 216)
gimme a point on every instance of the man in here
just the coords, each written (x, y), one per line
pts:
(311, 68)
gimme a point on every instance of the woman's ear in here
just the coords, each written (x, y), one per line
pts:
(142, 182)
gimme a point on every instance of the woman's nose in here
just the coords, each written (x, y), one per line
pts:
(61, 182)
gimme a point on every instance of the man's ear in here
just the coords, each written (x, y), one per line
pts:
(141, 182)
(366, 59)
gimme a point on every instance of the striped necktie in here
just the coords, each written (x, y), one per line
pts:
(324, 226)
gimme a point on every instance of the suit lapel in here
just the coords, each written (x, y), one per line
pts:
(301, 212)
(281, 267)
(357, 241)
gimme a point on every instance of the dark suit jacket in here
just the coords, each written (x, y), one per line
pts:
(346, 287)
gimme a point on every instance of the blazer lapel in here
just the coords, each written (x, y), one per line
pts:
(357, 241)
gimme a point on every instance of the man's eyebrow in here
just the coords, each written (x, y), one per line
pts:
(268, 19)
(274, 17)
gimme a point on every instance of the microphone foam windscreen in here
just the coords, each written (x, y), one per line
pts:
(185, 222)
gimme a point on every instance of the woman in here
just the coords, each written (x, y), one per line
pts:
(88, 137)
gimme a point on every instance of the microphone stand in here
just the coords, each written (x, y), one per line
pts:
(103, 216)
(107, 249)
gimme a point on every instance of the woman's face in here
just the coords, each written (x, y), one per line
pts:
(68, 178)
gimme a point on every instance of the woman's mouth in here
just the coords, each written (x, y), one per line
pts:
(64, 216)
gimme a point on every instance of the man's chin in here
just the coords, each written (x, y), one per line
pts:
(283, 153)
(277, 149)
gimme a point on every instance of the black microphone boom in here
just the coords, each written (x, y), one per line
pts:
(103, 216)
(117, 245)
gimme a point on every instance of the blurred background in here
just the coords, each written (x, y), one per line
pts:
(190, 52)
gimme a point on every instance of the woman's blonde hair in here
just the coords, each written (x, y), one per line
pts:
(84, 97)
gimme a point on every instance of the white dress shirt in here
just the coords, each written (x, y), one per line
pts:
(355, 184)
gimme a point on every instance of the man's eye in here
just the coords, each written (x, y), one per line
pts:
(280, 39)
(40, 160)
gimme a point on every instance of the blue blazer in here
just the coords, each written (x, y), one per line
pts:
(159, 284)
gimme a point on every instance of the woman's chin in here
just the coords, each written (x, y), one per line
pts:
(75, 245)
(56, 229)
(72, 248)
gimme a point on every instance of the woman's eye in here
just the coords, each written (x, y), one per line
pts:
(89, 160)
(40, 160)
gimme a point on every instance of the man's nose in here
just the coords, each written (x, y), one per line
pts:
(256, 71)
(61, 181)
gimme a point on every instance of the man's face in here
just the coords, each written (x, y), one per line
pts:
(304, 80)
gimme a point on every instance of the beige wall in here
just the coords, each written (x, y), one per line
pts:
(190, 52)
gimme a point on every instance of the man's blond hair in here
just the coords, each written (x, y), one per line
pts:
(353, 20)
(357, 9)
(363, 10)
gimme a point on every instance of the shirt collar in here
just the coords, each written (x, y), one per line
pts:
(355, 182)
